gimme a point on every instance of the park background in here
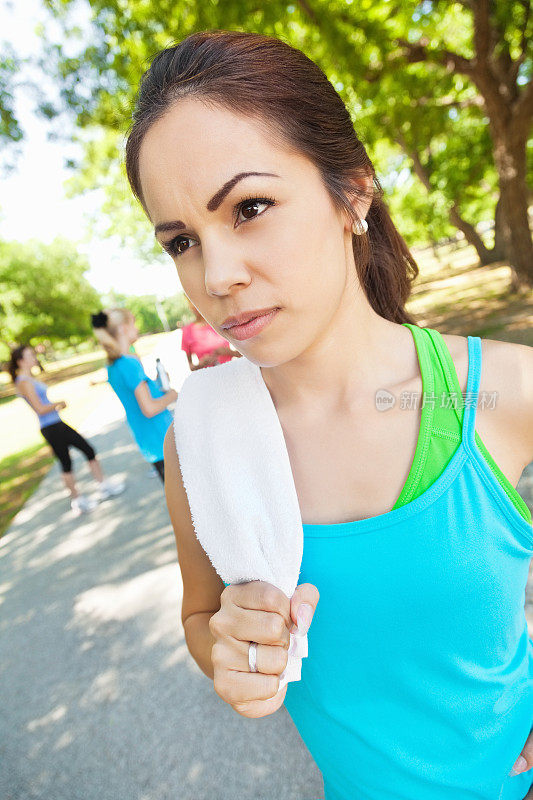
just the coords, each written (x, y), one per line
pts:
(441, 95)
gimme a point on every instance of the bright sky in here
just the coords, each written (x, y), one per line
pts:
(32, 199)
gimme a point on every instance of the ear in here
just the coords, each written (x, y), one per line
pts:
(360, 198)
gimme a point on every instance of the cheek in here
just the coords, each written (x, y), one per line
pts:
(192, 282)
(307, 251)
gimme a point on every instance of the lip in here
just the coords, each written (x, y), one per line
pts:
(246, 316)
(253, 327)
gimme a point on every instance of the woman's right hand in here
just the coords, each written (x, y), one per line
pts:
(255, 612)
(171, 396)
(60, 405)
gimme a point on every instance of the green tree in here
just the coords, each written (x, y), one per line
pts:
(447, 86)
(10, 130)
(145, 311)
(44, 293)
(176, 309)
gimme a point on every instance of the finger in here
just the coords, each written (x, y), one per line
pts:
(263, 627)
(242, 687)
(527, 752)
(261, 708)
(270, 660)
(303, 605)
(262, 596)
(524, 761)
(231, 654)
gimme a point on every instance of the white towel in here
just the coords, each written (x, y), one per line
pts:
(239, 482)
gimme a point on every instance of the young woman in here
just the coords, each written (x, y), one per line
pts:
(198, 338)
(146, 406)
(60, 436)
(419, 680)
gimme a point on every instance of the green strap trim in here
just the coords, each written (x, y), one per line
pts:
(453, 385)
(409, 490)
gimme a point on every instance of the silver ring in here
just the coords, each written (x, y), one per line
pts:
(252, 657)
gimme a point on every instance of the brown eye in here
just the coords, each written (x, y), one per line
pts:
(178, 246)
(250, 208)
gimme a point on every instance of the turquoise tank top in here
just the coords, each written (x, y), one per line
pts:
(419, 679)
(442, 408)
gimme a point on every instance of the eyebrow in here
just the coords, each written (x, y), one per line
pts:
(215, 201)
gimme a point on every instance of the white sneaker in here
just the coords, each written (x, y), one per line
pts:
(108, 489)
(82, 505)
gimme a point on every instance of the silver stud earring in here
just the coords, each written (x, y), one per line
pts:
(360, 226)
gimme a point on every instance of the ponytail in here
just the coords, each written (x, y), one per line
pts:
(385, 266)
(105, 327)
(16, 355)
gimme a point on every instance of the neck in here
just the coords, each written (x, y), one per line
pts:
(25, 371)
(124, 344)
(355, 353)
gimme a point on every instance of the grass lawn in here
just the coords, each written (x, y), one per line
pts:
(24, 455)
(20, 475)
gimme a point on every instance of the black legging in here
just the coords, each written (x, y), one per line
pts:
(60, 437)
(160, 467)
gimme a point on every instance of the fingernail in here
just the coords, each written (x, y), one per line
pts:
(520, 766)
(304, 617)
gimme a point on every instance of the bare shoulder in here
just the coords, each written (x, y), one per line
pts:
(507, 370)
(202, 586)
(23, 385)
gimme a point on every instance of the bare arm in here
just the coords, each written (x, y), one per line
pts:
(202, 586)
(506, 427)
(150, 406)
(27, 389)
(220, 621)
(202, 362)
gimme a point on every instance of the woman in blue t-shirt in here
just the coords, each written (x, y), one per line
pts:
(146, 405)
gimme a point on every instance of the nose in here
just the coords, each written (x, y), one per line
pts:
(224, 267)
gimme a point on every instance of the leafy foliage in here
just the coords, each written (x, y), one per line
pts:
(10, 130)
(404, 107)
(43, 293)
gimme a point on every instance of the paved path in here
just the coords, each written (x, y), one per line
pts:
(100, 697)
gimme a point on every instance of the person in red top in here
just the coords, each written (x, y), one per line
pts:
(200, 339)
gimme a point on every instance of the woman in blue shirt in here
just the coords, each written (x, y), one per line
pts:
(145, 404)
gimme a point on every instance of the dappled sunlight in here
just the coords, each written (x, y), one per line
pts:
(179, 654)
(101, 694)
(53, 716)
(130, 598)
(4, 588)
(78, 541)
(104, 688)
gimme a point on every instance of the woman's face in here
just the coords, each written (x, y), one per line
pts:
(289, 250)
(130, 330)
(28, 359)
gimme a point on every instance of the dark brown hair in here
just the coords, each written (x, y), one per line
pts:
(265, 78)
(16, 354)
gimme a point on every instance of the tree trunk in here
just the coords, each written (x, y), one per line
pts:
(510, 159)
(485, 255)
(499, 241)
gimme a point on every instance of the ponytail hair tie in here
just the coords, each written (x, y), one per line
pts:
(99, 320)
